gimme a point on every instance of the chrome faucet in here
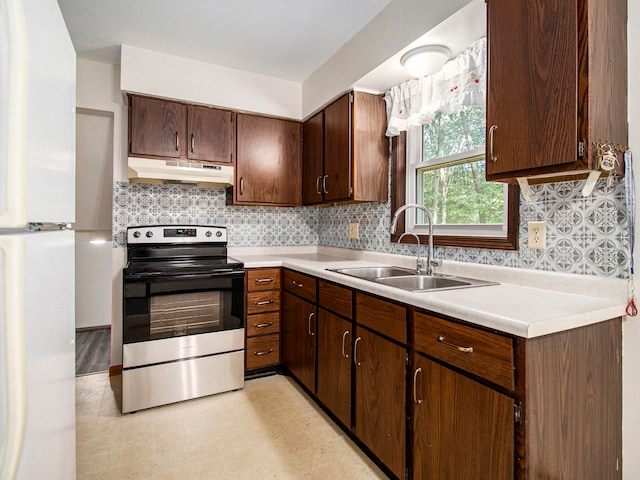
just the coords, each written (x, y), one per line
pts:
(419, 264)
(431, 262)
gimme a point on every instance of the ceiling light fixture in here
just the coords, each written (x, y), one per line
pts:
(425, 60)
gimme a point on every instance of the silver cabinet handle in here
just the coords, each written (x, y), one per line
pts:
(263, 325)
(265, 280)
(193, 142)
(259, 354)
(177, 141)
(460, 349)
(311, 315)
(241, 186)
(324, 183)
(318, 185)
(355, 351)
(265, 302)
(491, 135)
(418, 401)
(344, 336)
(296, 284)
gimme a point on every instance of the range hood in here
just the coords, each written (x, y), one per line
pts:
(170, 171)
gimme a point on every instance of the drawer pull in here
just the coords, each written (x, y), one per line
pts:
(460, 349)
(417, 400)
(311, 315)
(263, 325)
(266, 302)
(355, 352)
(296, 284)
(344, 336)
(259, 354)
(265, 280)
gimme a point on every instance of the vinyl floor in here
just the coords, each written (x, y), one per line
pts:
(93, 350)
(268, 430)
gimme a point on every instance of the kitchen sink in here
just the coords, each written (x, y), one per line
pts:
(408, 279)
(371, 273)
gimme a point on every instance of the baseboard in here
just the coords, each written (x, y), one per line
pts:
(115, 370)
(97, 327)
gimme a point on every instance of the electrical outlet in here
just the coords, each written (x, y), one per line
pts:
(353, 230)
(537, 235)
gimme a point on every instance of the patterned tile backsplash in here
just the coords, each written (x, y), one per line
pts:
(585, 235)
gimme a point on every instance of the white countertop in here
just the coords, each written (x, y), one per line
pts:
(526, 303)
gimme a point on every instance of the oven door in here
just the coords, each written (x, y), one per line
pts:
(174, 306)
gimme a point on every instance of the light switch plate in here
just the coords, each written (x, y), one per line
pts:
(537, 235)
(353, 230)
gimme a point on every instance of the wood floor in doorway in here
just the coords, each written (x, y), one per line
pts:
(93, 350)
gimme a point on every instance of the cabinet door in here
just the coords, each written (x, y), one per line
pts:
(337, 149)
(312, 155)
(532, 90)
(211, 134)
(298, 325)
(334, 364)
(157, 127)
(380, 398)
(462, 429)
(268, 164)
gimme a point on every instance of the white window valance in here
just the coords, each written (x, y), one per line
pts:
(460, 82)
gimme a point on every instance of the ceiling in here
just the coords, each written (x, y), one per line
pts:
(287, 39)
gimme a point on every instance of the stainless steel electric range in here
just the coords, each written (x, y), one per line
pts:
(183, 318)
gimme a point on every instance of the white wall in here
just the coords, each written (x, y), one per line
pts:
(101, 120)
(169, 76)
(93, 279)
(631, 326)
(94, 169)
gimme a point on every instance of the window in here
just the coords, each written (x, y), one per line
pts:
(446, 174)
(441, 166)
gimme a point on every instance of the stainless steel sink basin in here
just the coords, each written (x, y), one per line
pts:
(371, 273)
(407, 279)
(418, 283)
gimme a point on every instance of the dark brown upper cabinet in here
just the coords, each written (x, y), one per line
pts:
(157, 128)
(346, 152)
(557, 86)
(166, 129)
(268, 166)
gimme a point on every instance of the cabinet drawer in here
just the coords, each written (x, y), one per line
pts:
(263, 324)
(384, 317)
(481, 353)
(300, 284)
(260, 302)
(263, 351)
(335, 298)
(263, 279)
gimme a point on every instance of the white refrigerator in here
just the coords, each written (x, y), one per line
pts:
(37, 208)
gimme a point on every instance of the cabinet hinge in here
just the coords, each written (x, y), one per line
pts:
(406, 473)
(351, 191)
(406, 359)
(350, 97)
(517, 413)
(581, 149)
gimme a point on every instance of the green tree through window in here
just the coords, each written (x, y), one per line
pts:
(452, 184)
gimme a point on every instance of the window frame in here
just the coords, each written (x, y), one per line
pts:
(398, 198)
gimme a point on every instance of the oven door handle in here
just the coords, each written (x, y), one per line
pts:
(216, 274)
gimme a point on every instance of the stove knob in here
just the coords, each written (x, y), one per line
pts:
(218, 233)
(149, 234)
(208, 234)
(136, 234)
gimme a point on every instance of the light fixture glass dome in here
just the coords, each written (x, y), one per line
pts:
(425, 60)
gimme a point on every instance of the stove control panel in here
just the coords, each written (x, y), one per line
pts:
(176, 234)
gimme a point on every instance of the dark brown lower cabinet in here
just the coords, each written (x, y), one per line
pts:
(298, 351)
(334, 364)
(380, 398)
(461, 428)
